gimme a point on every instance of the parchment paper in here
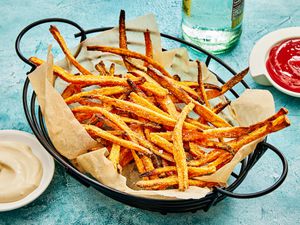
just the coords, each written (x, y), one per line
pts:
(73, 142)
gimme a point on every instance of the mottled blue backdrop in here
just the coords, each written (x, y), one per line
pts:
(67, 201)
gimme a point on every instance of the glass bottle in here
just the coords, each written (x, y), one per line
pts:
(215, 25)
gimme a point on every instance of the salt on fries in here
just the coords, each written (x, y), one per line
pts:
(137, 118)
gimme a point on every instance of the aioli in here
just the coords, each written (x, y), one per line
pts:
(20, 171)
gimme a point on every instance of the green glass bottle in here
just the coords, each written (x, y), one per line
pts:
(215, 25)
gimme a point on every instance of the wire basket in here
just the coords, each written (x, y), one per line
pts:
(36, 122)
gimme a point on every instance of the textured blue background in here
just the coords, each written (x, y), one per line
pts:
(66, 201)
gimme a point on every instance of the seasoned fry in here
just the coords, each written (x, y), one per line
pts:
(125, 157)
(196, 151)
(173, 180)
(112, 69)
(142, 112)
(219, 107)
(148, 44)
(114, 139)
(56, 34)
(202, 91)
(85, 80)
(228, 85)
(123, 37)
(139, 163)
(211, 156)
(167, 104)
(137, 122)
(114, 155)
(100, 67)
(144, 102)
(103, 91)
(179, 153)
(161, 142)
(70, 90)
(128, 53)
(203, 111)
(192, 171)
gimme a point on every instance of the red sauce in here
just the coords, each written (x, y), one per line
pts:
(283, 64)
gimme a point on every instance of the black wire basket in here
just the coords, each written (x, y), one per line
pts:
(35, 120)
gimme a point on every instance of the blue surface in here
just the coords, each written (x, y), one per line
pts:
(67, 201)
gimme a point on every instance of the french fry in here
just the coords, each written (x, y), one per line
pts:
(148, 44)
(84, 80)
(103, 91)
(202, 91)
(161, 142)
(192, 171)
(179, 153)
(173, 180)
(114, 139)
(196, 151)
(131, 54)
(139, 164)
(112, 69)
(125, 157)
(137, 122)
(100, 67)
(70, 90)
(211, 156)
(143, 112)
(56, 34)
(219, 107)
(144, 102)
(114, 155)
(228, 85)
(203, 111)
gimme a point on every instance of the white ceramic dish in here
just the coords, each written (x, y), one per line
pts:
(46, 161)
(259, 55)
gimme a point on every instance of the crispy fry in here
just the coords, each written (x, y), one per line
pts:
(228, 85)
(219, 107)
(136, 89)
(114, 155)
(56, 34)
(179, 153)
(173, 180)
(137, 122)
(211, 156)
(154, 89)
(196, 151)
(128, 53)
(275, 125)
(139, 163)
(100, 67)
(148, 165)
(161, 142)
(142, 112)
(167, 104)
(192, 171)
(114, 139)
(122, 36)
(70, 90)
(148, 44)
(112, 69)
(144, 102)
(125, 157)
(85, 80)
(202, 91)
(104, 91)
(203, 111)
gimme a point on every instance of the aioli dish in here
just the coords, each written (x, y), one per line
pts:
(20, 171)
(40, 154)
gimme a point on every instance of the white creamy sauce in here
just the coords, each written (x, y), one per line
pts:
(20, 171)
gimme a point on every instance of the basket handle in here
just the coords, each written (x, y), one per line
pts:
(267, 190)
(37, 23)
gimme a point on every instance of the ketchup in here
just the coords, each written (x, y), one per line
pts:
(283, 64)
